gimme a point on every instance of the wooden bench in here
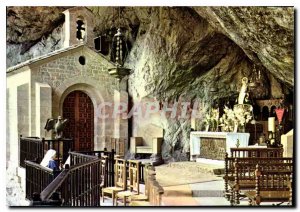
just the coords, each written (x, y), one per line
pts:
(246, 153)
(271, 186)
(136, 145)
(242, 152)
(244, 178)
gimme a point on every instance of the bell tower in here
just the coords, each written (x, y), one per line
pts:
(78, 27)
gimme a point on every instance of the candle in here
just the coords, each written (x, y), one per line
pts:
(193, 123)
(271, 124)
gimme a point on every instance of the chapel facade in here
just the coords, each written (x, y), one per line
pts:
(71, 82)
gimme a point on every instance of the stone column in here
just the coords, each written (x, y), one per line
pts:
(43, 100)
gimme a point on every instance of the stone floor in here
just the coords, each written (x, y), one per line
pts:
(203, 193)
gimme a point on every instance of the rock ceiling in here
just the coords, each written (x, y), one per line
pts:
(178, 52)
(178, 49)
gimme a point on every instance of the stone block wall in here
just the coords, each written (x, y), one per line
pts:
(43, 107)
(17, 113)
(65, 74)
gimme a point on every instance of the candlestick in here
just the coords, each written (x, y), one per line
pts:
(271, 124)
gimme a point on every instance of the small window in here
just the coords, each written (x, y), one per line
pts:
(82, 60)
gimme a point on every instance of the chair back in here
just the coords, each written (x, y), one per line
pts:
(134, 173)
(120, 173)
(104, 170)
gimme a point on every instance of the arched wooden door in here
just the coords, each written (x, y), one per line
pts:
(78, 109)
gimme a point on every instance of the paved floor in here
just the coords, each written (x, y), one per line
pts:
(196, 194)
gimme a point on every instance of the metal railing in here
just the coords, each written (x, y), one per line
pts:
(78, 185)
(108, 165)
(35, 148)
(37, 178)
(31, 148)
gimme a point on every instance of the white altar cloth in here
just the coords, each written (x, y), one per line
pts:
(231, 139)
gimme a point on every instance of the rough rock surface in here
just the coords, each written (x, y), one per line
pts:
(15, 195)
(178, 52)
(266, 34)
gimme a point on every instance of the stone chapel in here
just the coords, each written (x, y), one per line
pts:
(70, 82)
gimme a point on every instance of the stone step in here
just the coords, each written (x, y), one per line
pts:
(208, 193)
(212, 201)
(216, 166)
(178, 191)
(208, 189)
(200, 166)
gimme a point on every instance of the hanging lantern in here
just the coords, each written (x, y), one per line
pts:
(119, 48)
(118, 54)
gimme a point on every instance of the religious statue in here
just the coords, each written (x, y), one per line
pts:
(243, 90)
(82, 32)
(57, 125)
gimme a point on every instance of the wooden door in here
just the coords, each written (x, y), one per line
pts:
(78, 109)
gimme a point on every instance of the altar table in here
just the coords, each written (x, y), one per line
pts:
(217, 143)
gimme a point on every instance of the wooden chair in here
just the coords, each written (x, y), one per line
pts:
(154, 194)
(133, 186)
(148, 170)
(244, 178)
(103, 171)
(136, 145)
(118, 144)
(120, 180)
(271, 186)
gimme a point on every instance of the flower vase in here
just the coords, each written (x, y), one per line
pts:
(235, 129)
(206, 128)
(243, 128)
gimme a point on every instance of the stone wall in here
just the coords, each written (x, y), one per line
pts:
(18, 113)
(64, 74)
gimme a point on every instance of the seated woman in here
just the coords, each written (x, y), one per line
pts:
(53, 164)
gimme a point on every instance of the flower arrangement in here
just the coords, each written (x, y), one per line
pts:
(232, 118)
(212, 119)
(243, 113)
(228, 120)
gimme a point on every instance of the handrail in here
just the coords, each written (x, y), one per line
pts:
(34, 148)
(54, 185)
(79, 184)
(36, 165)
(37, 177)
(64, 175)
(43, 139)
(83, 155)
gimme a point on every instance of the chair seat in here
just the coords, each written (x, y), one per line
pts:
(139, 203)
(125, 194)
(144, 149)
(270, 195)
(243, 184)
(139, 197)
(111, 189)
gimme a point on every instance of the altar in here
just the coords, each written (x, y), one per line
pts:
(214, 145)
